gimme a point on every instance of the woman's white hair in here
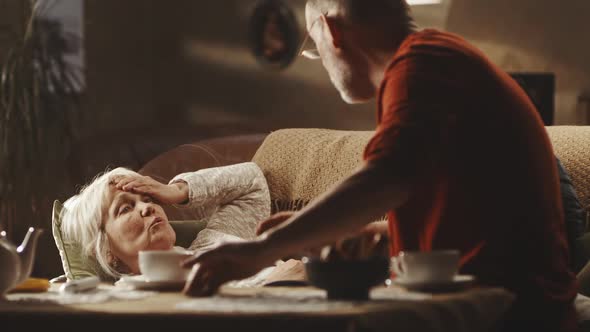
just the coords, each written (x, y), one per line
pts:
(83, 221)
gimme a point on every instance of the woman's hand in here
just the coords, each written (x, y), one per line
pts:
(175, 193)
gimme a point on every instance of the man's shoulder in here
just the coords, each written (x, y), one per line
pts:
(433, 52)
(433, 37)
(430, 43)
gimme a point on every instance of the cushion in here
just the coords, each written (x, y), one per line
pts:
(300, 164)
(582, 305)
(76, 267)
(297, 170)
(574, 217)
(187, 230)
(570, 144)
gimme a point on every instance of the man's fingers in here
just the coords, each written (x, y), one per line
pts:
(202, 281)
(266, 225)
(189, 262)
(196, 281)
(213, 286)
(272, 222)
(196, 258)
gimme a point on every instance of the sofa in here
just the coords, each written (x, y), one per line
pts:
(299, 164)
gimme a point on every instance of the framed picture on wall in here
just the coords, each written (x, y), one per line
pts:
(274, 33)
(63, 22)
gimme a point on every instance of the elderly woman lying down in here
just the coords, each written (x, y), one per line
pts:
(120, 213)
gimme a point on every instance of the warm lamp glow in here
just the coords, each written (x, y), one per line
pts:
(423, 2)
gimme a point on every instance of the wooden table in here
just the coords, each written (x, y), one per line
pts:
(270, 309)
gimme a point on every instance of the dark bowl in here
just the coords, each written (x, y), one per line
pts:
(347, 279)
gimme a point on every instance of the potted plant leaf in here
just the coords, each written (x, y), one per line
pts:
(40, 105)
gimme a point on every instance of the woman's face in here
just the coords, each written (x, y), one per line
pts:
(133, 223)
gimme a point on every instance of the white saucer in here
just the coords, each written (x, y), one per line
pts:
(140, 282)
(457, 283)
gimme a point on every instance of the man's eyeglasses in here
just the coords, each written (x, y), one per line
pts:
(311, 53)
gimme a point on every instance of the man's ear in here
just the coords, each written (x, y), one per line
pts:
(333, 32)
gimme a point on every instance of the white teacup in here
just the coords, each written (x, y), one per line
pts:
(163, 265)
(431, 266)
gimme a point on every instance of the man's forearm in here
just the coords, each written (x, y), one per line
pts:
(357, 201)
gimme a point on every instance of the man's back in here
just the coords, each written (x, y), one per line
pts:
(486, 181)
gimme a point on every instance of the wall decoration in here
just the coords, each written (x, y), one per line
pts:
(274, 34)
(41, 108)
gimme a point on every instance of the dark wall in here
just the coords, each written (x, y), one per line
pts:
(533, 36)
(153, 64)
(12, 18)
(162, 72)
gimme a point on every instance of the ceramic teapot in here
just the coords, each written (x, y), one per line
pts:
(16, 264)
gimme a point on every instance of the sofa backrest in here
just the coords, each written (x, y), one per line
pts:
(286, 157)
(300, 164)
(571, 145)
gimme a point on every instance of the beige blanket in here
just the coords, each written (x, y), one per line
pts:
(300, 164)
(572, 146)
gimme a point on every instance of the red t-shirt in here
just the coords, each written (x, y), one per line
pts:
(484, 174)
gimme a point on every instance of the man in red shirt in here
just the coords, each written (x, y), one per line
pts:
(460, 159)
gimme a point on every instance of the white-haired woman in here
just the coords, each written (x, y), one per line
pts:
(119, 213)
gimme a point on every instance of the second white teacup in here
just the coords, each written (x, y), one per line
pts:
(422, 266)
(163, 265)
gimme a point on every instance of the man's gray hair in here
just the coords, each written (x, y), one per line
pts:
(394, 12)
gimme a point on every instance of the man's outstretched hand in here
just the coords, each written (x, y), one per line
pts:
(378, 227)
(230, 261)
(273, 221)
